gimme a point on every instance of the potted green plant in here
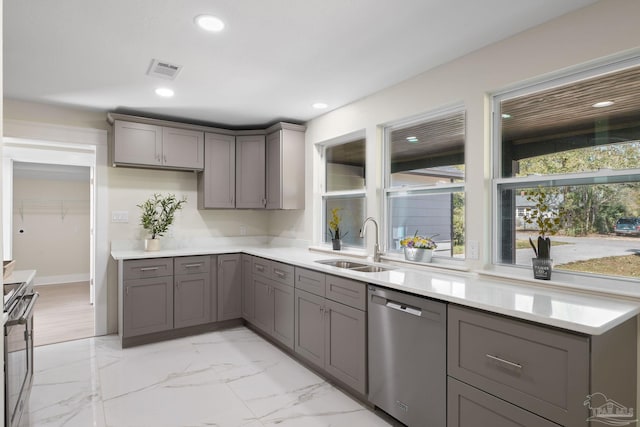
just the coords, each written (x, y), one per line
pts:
(158, 213)
(548, 221)
(334, 229)
(418, 248)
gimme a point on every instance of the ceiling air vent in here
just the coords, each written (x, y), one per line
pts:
(164, 69)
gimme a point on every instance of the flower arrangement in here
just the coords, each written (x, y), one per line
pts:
(549, 221)
(158, 213)
(334, 225)
(418, 242)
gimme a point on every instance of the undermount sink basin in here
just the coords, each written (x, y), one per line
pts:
(352, 265)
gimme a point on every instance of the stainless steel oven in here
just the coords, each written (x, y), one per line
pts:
(18, 349)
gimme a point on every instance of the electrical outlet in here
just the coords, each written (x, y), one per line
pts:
(119, 216)
(243, 230)
(473, 247)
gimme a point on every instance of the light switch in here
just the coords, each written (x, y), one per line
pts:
(119, 216)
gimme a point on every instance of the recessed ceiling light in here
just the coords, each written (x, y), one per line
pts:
(506, 116)
(164, 92)
(209, 23)
(603, 104)
(413, 139)
(320, 105)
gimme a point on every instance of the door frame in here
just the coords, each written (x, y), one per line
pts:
(33, 142)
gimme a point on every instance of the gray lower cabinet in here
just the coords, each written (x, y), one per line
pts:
(217, 182)
(247, 288)
(192, 300)
(330, 333)
(250, 172)
(229, 286)
(469, 407)
(273, 307)
(147, 296)
(545, 371)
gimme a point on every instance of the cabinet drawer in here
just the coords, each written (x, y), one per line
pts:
(469, 407)
(191, 264)
(145, 268)
(282, 273)
(310, 281)
(348, 292)
(539, 369)
(261, 267)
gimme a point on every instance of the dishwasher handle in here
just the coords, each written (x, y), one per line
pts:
(406, 308)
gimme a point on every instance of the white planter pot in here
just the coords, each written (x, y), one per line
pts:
(151, 245)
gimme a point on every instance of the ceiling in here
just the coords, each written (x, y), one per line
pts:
(273, 60)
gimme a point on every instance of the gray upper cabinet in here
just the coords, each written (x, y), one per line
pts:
(250, 172)
(229, 286)
(146, 145)
(285, 169)
(182, 148)
(217, 182)
(137, 144)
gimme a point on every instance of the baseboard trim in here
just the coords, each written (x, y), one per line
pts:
(62, 278)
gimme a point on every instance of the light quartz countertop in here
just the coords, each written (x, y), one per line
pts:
(571, 310)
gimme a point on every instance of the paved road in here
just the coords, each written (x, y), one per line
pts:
(582, 248)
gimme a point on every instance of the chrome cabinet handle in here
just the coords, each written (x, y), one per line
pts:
(504, 362)
(280, 274)
(259, 268)
(149, 268)
(193, 265)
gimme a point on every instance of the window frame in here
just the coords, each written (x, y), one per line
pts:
(325, 195)
(576, 279)
(389, 192)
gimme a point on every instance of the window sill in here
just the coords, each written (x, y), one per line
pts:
(568, 281)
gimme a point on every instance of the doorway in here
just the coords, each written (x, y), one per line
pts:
(49, 144)
(52, 235)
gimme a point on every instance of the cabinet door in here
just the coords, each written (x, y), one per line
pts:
(182, 148)
(345, 340)
(274, 170)
(469, 407)
(250, 172)
(229, 287)
(217, 182)
(283, 308)
(137, 144)
(191, 299)
(262, 304)
(309, 327)
(247, 288)
(213, 290)
(148, 306)
(285, 169)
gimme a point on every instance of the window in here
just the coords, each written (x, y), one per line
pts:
(344, 190)
(424, 181)
(577, 141)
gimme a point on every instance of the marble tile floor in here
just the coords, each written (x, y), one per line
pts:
(226, 378)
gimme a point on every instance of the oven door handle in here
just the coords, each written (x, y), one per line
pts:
(27, 312)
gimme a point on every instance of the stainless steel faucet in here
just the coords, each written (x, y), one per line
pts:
(376, 248)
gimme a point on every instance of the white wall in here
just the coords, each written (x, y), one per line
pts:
(51, 229)
(606, 28)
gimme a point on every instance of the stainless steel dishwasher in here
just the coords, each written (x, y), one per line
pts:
(407, 357)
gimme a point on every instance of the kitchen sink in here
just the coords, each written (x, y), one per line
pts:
(353, 265)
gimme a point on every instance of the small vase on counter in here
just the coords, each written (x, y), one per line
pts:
(151, 245)
(337, 244)
(417, 254)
